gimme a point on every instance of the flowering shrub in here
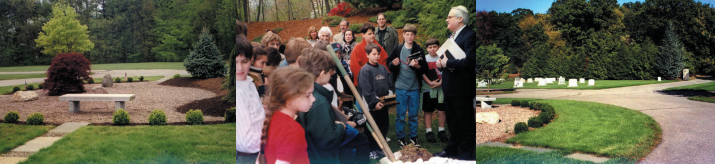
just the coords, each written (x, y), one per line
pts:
(343, 9)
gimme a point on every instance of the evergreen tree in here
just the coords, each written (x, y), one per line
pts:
(205, 61)
(671, 59)
(63, 33)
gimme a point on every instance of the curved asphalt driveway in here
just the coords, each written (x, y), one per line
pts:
(688, 126)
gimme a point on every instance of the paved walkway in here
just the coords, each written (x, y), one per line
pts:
(167, 73)
(688, 126)
(21, 153)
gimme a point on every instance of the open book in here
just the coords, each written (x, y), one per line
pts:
(451, 50)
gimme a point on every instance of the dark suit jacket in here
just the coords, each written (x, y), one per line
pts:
(458, 78)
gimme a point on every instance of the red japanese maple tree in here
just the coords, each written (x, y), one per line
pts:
(67, 74)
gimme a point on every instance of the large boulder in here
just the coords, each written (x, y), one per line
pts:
(99, 90)
(487, 117)
(107, 81)
(24, 96)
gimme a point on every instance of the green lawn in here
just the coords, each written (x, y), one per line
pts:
(114, 66)
(134, 78)
(8, 89)
(600, 84)
(594, 128)
(488, 154)
(703, 99)
(13, 135)
(21, 76)
(704, 86)
(143, 144)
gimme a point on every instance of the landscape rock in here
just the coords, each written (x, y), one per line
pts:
(24, 96)
(107, 81)
(487, 117)
(99, 90)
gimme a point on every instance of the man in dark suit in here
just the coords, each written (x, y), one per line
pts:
(459, 89)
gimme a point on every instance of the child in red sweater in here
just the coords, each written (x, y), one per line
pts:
(290, 92)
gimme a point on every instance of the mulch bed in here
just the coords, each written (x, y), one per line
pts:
(213, 106)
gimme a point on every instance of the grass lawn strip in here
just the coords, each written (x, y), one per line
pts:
(21, 76)
(488, 154)
(115, 66)
(704, 86)
(703, 99)
(12, 135)
(600, 84)
(595, 128)
(143, 144)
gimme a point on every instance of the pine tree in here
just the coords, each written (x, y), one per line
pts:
(63, 33)
(205, 60)
(671, 59)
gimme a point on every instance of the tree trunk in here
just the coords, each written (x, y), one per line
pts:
(327, 6)
(275, 3)
(315, 12)
(258, 10)
(245, 11)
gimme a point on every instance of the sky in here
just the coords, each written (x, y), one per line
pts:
(538, 6)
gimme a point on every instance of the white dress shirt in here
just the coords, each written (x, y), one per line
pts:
(249, 117)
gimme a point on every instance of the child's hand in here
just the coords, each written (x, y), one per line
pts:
(352, 124)
(396, 62)
(378, 106)
(415, 63)
(436, 84)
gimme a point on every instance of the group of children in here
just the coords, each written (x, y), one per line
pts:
(289, 111)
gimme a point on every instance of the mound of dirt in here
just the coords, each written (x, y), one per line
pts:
(411, 153)
(213, 106)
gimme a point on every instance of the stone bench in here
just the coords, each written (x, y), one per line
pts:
(486, 102)
(74, 99)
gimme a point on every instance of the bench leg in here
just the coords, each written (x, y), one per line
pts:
(74, 106)
(486, 104)
(119, 104)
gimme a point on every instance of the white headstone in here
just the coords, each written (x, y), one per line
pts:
(530, 80)
(521, 83)
(591, 82)
(517, 80)
(541, 83)
(538, 79)
(658, 78)
(482, 84)
(581, 80)
(573, 83)
(550, 80)
(686, 74)
(562, 80)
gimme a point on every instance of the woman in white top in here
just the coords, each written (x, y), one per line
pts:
(312, 36)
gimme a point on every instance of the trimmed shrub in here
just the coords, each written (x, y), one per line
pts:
(535, 122)
(35, 119)
(15, 89)
(67, 74)
(230, 115)
(356, 28)
(141, 78)
(533, 105)
(177, 75)
(157, 117)
(121, 117)
(129, 79)
(194, 117)
(520, 127)
(40, 86)
(11, 117)
(90, 81)
(524, 103)
(117, 80)
(546, 117)
(515, 103)
(332, 21)
(30, 87)
(372, 19)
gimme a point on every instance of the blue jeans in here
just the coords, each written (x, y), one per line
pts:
(409, 100)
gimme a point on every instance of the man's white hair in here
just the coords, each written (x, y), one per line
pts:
(325, 29)
(462, 12)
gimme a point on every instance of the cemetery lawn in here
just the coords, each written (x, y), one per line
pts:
(134, 78)
(8, 89)
(594, 128)
(600, 84)
(13, 135)
(143, 144)
(703, 99)
(114, 66)
(704, 86)
(21, 76)
(488, 154)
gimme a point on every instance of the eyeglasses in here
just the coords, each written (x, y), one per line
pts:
(450, 17)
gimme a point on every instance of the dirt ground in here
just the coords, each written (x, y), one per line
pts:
(503, 130)
(299, 28)
(174, 97)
